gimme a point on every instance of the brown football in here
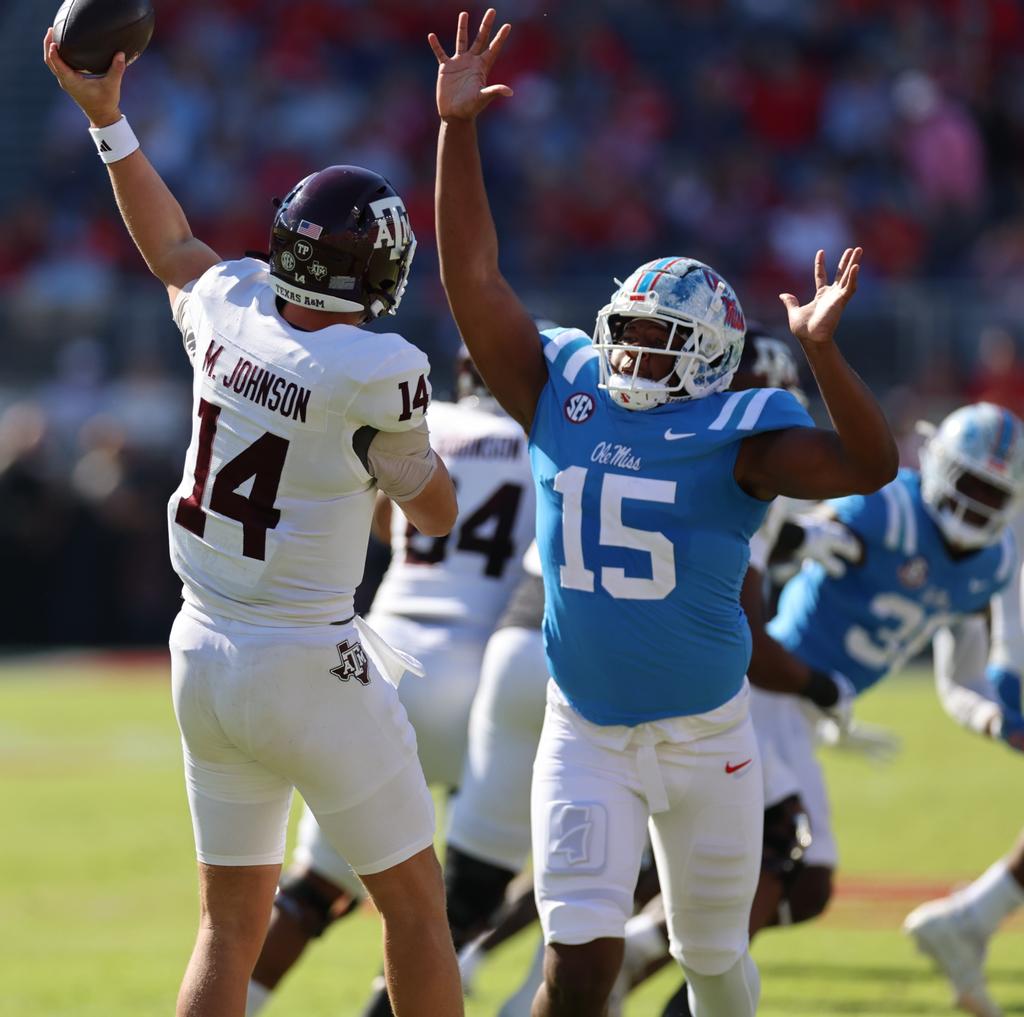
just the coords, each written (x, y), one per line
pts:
(89, 33)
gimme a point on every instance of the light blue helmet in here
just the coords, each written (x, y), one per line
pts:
(706, 327)
(986, 442)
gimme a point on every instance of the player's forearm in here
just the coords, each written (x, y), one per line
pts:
(869, 448)
(154, 218)
(495, 326)
(467, 241)
(772, 667)
(433, 512)
(968, 708)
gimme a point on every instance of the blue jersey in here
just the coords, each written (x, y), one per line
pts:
(643, 533)
(882, 612)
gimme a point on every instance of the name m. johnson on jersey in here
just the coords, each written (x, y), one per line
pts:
(261, 386)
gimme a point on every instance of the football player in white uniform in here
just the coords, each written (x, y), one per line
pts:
(300, 416)
(439, 599)
(955, 930)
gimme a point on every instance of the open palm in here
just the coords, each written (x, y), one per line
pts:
(462, 89)
(817, 320)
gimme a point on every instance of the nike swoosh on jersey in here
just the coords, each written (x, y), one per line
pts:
(729, 768)
(670, 435)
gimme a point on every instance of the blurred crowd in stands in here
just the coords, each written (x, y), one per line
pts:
(744, 132)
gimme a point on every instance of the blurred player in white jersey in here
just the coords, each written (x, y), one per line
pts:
(300, 416)
(955, 930)
(439, 599)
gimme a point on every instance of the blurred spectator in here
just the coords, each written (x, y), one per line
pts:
(999, 375)
(745, 132)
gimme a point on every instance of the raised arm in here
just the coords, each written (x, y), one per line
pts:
(860, 455)
(497, 330)
(154, 218)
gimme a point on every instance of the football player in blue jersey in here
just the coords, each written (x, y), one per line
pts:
(935, 551)
(955, 930)
(650, 479)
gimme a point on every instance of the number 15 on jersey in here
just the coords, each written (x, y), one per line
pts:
(615, 489)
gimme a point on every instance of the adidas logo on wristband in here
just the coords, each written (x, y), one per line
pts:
(114, 142)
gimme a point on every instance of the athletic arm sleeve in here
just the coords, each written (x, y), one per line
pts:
(959, 661)
(402, 462)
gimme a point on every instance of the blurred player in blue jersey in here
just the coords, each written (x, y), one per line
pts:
(955, 930)
(650, 480)
(936, 550)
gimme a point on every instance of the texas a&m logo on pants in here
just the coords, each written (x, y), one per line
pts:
(353, 663)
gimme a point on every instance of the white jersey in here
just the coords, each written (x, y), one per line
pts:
(764, 540)
(271, 520)
(469, 574)
(962, 652)
(762, 543)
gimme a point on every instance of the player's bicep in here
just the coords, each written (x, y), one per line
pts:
(799, 462)
(183, 264)
(502, 339)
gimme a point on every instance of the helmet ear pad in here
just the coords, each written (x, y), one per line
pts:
(341, 241)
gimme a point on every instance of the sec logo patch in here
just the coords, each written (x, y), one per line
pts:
(579, 408)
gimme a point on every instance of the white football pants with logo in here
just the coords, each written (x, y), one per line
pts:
(262, 710)
(437, 706)
(490, 816)
(785, 725)
(696, 782)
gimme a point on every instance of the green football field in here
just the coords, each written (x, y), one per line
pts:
(97, 889)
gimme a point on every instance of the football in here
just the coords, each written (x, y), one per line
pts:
(89, 33)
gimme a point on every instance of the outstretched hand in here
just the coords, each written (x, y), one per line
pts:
(817, 320)
(462, 89)
(99, 98)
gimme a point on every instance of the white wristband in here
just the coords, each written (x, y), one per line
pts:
(115, 142)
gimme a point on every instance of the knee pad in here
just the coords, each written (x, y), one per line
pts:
(787, 836)
(475, 890)
(733, 993)
(311, 907)
(806, 895)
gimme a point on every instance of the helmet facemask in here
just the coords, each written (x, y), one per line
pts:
(972, 473)
(705, 359)
(970, 508)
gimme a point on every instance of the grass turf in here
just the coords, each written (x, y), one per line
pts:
(97, 886)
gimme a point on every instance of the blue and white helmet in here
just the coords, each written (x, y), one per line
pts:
(985, 442)
(694, 301)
